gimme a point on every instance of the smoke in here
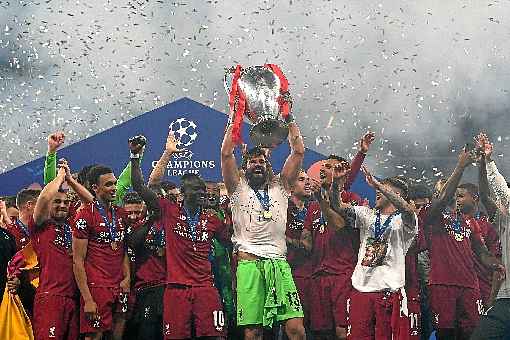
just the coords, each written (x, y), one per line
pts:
(425, 76)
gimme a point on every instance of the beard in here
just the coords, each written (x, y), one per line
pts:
(256, 176)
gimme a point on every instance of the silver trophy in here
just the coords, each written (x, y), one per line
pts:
(262, 91)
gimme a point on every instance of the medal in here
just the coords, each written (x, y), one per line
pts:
(114, 245)
(112, 226)
(263, 197)
(160, 251)
(459, 237)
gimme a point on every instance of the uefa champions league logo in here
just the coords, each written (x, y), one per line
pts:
(186, 133)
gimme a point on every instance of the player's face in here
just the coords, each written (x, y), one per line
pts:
(60, 206)
(194, 193)
(465, 201)
(106, 188)
(419, 203)
(213, 195)
(13, 213)
(256, 168)
(135, 211)
(302, 187)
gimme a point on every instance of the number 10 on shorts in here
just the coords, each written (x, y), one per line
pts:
(219, 320)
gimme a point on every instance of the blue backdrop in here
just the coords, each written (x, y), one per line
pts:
(199, 127)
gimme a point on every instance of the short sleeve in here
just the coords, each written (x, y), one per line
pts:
(363, 217)
(82, 223)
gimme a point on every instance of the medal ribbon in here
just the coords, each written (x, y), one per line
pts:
(112, 228)
(263, 198)
(23, 227)
(193, 222)
(380, 229)
(238, 114)
(68, 236)
(159, 236)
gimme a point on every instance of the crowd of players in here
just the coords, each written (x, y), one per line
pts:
(260, 255)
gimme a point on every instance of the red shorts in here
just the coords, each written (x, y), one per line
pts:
(55, 317)
(329, 295)
(370, 315)
(109, 301)
(186, 308)
(408, 327)
(304, 288)
(455, 307)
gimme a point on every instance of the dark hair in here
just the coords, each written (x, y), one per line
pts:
(97, 171)
(337, 158)
(253, 152)
(82, 174)
(167, 185)
(471, 188)
(398, 183)
(132, 198)
(419, 190)
(10, 202)
(26, 195)
(189, 178)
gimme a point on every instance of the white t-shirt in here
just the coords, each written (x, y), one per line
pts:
(381, 261)
(254, 233)
(501, 193)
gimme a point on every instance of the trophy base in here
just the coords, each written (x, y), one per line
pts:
(269, 133)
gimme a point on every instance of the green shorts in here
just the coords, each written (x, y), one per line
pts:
(266, 293)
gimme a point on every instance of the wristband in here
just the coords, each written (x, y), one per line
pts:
(134, 155)
(289, 119)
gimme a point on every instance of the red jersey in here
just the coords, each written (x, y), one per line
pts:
(187, 248)
(334, 252)
(20, 232)
(298, 260)
(451, 256)
(412, 277)
(52, 244)
(491, 240)
(150, 262)
(106, 246)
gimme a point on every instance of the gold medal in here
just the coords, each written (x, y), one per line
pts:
(267, 214)
(160, 251)
(114, 245)
(459, 237)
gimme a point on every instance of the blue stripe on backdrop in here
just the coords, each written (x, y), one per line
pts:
(200, 127)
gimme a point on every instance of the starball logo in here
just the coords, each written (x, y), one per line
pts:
(187, 133)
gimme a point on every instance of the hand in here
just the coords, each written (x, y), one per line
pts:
(341, 170)
(63, 168)
(466, 157)
(484, 145)
(55, 140)
(315, 185)
(13, 284)
(171, 144)
(371, 180)
(366, 141)
(137, 144)
(3, 208)
(499, 273)
(90, 310)
(125, 285)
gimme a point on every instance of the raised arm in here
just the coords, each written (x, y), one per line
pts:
(334, 219)
(82, 192)
(357, 162)
(294, 162)
(158, 173)
(483, 185)
(55, 140)
(150, 197)
(497, 182)
(229, 169)
(448, 192)
(43, 204)
(407, 211)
